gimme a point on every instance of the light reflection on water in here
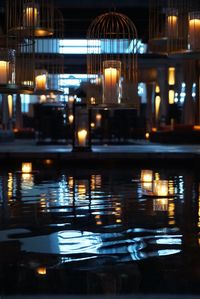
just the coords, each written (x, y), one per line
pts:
(91, 216)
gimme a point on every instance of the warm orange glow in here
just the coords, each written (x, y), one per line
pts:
(160, 188)
(157, 90)
(154, 129)
(43, 99)
(111, 75)
(171, 96)
(10, 106)
(146, 176)
(171, 75)
(31, 16)
(42, 270)
(172, 26)
(41, 82)
(194, 33)
(157, 106)
(147, 135)
(196, 128)
(26, 167)
(48, 161)
(43, 32)
(71, 118)
(82, 134)
(4, 70)
(92, 101)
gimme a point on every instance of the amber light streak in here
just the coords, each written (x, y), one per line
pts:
(82, 135)
(194, 33)
(172, 26)
(31, 16)
(4, 69)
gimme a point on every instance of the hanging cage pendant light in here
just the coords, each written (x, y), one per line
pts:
(31, 15)
(174, 26)
(49, 62)
(112, 60)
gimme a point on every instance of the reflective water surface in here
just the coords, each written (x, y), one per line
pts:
(84, 232)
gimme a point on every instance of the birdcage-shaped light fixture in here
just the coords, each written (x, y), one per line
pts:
(49, 62)
(31, 15)
(174, 26)
(112, 59)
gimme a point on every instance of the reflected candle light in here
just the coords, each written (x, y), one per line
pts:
(160, 188)
(26, 167)
(160, 204)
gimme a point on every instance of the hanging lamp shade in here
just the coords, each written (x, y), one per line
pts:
(168, 26)
(49, 62)
(31, 15)
(112, 60)
(174, 26)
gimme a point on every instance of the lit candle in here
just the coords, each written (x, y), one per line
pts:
(26, 167)
(82, 134)
(146, 175)
(92, 100)
(160, 188)
(4, 69)
(157, 106)
(111, 87)
(98, 119)
(146, 179)
(194, 31)
(10, 105)
(41, 81)
(71, 118)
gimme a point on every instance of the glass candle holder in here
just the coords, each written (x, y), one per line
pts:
(81, 140)
(194, 30)
(160, 188)
(7, 66)
(111, 82)
(41, 79)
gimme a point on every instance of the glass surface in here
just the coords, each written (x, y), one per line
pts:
(84, 232)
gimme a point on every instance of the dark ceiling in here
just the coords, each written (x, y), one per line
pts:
(78, 14)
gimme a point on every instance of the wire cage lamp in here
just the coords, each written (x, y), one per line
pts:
(34, 15)
(174, 26)
(49, 62)
(112, 60)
